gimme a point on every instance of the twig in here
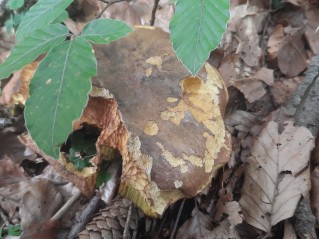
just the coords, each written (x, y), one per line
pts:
(85, 216)
(177, 219)
(152, 21)
(107, 6)
(66, 206)
(127, 223)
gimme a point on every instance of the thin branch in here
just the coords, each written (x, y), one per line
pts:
(155, 6)
(109, 3)
(84, 218)
(66, 206)
(177, 219)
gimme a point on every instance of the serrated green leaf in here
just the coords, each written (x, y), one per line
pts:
(104, 31)
(196, 29)
(14, 4)
(40, 14)
(40, 41)
(59, 92)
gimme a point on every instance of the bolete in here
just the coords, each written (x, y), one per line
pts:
(167, 125)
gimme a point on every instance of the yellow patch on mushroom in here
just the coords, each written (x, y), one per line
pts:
(201, 99)
(155, 61)
(148, 71)
(173, 161)
(171, 100)
(151, 128)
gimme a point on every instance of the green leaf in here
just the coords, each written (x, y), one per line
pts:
(78, 161)
(196, 29)
(81, 142)
(38, 42)
(40, 14)
(14, 230)
(14, 4)
(63, 16)
(104, 31)
(102, 177)
(59, 92)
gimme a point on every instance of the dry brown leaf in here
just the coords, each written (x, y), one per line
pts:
(10, 172)
(242, 34)
(197, 227)
(283, 88)
(292, 57)
(251, 88)
(16, 91)
(275, 41)
(241, 121)
(266, 75)
(223, 231)
(289, 232)
(233, 210)
(47, 230)
(39, 203)
(138, 12)
(276, 175)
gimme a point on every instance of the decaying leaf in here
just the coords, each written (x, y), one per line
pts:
(292, 57)
(315, 193)
(223, 231)
(275, 41)
(197, 227)
(282, 89)
(276, 175)
(167, 126)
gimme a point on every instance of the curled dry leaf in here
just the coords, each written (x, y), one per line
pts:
(167, 126)
(16, 91)
(276, 175)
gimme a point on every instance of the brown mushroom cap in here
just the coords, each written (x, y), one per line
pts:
(167, 125)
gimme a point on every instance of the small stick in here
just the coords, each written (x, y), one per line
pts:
(84, 218)
(66, 206)
(107, 6)
(177, 219)
(152, 21)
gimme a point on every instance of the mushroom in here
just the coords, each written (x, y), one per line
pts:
(166, 124)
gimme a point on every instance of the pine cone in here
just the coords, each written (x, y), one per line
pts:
(109, 223)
